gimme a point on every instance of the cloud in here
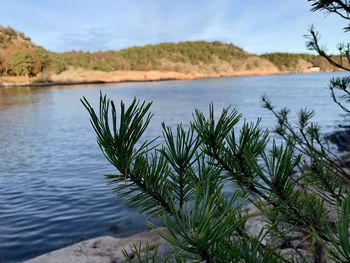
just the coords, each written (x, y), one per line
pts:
(257, 26)
(90, 39)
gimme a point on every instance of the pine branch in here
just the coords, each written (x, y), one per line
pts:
(119, 145)
(181, 151)
(313, 44)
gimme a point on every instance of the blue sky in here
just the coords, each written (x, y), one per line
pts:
(258, 26)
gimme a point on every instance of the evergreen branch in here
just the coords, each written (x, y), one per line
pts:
(215, 136)
(199, 227)
(144, 254)
(119, 146)
(340, 250)
(303, 145)
(181, 152)
(313, 44)
(341, 84)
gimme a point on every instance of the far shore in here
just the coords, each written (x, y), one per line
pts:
(81, 77)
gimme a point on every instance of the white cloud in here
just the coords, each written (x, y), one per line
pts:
(255, 25)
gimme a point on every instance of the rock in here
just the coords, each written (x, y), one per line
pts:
(341, 139)
(344, 161)
(287, 246)
(291, 254)
(332, 212)
(251, 209)
(108, 249)
(104, 249)
(254, 226)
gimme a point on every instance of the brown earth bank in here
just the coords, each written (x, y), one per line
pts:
(83, 76)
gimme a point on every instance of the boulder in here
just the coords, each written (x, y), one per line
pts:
(341, 139)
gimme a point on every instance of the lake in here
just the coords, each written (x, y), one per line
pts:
(52, 189)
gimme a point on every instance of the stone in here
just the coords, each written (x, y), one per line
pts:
(104, 249)
(341, 139)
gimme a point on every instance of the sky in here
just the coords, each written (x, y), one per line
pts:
(258, 26)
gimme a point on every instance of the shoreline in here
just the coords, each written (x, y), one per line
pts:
(85, 77)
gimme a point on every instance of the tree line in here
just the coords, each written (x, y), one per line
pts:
(21, 57)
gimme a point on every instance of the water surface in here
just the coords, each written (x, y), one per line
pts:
(52, 189)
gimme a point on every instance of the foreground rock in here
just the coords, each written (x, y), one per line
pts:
(104, 249)
(297, 245)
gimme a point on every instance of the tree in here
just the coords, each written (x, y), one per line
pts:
(41, 60)
(339, 86)
(22, 63)
(58, 64)
(295, 185)
(2, 68)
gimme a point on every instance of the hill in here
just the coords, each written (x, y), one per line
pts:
(184, 57)
(19, 57)
(11, 38)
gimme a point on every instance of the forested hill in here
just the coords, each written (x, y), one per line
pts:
(19, 56)
(167, 56)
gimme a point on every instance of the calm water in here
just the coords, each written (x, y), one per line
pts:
(52, 189)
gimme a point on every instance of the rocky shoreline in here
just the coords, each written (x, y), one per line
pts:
(110, 249)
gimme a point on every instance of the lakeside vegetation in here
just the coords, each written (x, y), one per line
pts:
(19, 56)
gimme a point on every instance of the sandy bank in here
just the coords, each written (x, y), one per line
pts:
(82, 76)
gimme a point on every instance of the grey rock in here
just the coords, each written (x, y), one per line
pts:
(341, 139)
(104, 249)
